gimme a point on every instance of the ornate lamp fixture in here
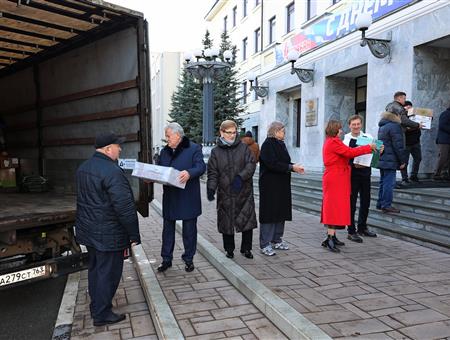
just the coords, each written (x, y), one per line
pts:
(205, 68)
(380, 48)
(261, 91)
(305, 75)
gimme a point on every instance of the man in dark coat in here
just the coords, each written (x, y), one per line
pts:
(412, 142)
(392, 158)
(398, 107)
(443, 141)
(106, 223)
(230, 171)
(181, 204)
(275, 202)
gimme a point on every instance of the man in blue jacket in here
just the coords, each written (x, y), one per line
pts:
(181, 204)
(392, 158)
(443, 142)
(106, 223)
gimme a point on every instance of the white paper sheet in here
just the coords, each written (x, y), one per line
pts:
(364, 160)
(424, 120)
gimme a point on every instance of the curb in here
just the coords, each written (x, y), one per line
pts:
(164, 321)
(64, 321)
(287, 319)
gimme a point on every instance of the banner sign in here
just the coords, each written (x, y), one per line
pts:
(336, 24)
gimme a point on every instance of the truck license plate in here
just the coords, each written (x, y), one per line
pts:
(22, 275)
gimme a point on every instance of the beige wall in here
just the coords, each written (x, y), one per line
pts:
(165, 75)
(263, 61)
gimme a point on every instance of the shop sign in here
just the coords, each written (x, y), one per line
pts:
(336, 24)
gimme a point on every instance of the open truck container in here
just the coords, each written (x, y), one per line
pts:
(68, 70)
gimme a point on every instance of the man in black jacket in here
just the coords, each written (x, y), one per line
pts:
(412, 141)
(106, 223)
(398, 107)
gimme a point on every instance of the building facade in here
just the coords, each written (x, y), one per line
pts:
(165, 74)
(348, 79)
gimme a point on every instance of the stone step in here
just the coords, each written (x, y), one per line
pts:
(406, 219)
(421, 237)
(429, 239)
(406, 232)
(432, 206)
(413, 221)
(439, 196)
(424, 211)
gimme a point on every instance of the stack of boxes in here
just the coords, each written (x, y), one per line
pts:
(8, 168)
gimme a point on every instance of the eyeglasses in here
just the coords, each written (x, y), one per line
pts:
(230, 132)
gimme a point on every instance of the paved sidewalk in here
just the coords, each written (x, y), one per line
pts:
(129, 299)
(204, 303)
(381, 289)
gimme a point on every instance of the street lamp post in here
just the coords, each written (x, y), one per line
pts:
(205, 69)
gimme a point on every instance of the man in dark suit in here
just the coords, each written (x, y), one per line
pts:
(181, 204)
(106, 223)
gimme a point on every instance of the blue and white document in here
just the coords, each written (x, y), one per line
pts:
(363, 160)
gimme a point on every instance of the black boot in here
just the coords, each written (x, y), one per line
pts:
(329, 243)
(337, 242)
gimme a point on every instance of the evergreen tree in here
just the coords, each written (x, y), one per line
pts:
(227, 89)
(187, 106)
(207, 41)
(187, 102)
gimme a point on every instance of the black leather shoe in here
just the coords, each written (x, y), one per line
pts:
(164, 266)
(414, 179)
(355, 238)
(229, 254)
(390, 210)
(337, 242)
(329, 243)
(113, 318)
(367, 233)
(189, 266)
(248, 254)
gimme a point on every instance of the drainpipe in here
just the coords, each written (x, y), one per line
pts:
(262, 25)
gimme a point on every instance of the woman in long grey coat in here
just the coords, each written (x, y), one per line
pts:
(230, 170)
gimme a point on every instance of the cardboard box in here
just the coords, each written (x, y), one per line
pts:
(159, 174)
(8, 178)
(8, 163)
(14, 162)
(423, 116)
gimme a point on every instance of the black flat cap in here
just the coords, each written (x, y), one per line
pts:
(105, 139)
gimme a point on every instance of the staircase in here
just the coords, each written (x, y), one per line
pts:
(424, 216)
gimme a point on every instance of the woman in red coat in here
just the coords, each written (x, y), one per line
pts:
(336, 182)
